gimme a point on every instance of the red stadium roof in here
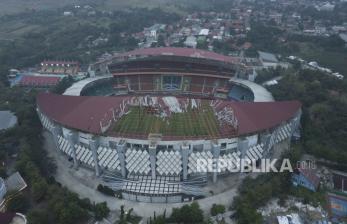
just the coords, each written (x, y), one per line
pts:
(41, 81)
(182, 52)
(85, 112)
(6, 218)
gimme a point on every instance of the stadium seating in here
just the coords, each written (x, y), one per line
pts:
(169, 66)
(147, 82)
(240, 93)
(134, 82)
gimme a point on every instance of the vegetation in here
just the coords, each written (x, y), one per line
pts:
(327, 51)
(324, 100)
(217, 209)
(187, 214)
(128, 217)
(65, 83)
(323, 133)
(46, 199)
(101, 211)
(268, 74)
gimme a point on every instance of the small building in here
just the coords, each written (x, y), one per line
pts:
(14, 183)
(268, 60)
(306, 178)
(339, 181)
(7, 120)
(325, 7)
(289, 219)
(337, 205)
(204, 32)
(190, 42)
(13, 73)
(67, 13)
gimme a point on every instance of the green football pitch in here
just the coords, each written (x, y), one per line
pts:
(200, 122)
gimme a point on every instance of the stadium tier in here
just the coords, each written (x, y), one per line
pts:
(38, 81)
(146, 123)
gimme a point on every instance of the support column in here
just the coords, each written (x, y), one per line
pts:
(185, 155)
(121, 148)
(215, 154)
(152, 157)
(56, 132)
(94, 145)
(242, 146)
(72, 139)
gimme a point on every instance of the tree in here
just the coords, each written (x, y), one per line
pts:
(17, 203)
(38, 217)
(217, 209)
(39, 189)
(161, 41)
(187, 214)
(101, 211)
(65, 83)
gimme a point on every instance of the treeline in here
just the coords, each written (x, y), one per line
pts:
(268, 74)
(255, 193)
(324, 98)
(45, 201)
(187, 214)
(58, 37)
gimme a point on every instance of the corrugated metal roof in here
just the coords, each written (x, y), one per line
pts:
(7, 120)
(311, 175)
(265, 56)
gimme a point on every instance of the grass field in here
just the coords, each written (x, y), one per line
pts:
(190, 123)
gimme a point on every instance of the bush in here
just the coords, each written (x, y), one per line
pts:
(217, 209)
(101, 211)
(187, 214)
(17, 203)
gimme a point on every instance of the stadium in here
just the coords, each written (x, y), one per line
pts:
(144, 119)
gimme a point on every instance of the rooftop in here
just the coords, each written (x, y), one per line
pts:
(7, 120)
(181, 52)
(260, 93)
(77, 87)
(265, 56)
(15, 182)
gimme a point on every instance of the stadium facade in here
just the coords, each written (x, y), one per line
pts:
(146, 117)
